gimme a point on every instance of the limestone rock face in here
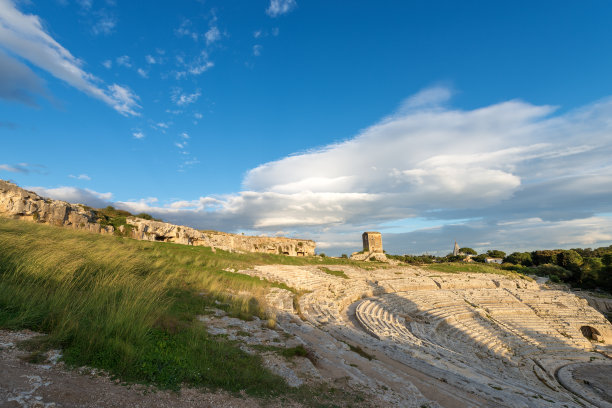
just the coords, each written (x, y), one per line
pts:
(161, 231)
(18, 203)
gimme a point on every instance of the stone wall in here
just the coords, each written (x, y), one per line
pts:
(18, 203)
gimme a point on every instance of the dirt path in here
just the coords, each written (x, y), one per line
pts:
(24, 385)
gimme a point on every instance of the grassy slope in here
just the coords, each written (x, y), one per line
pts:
(130, 306)
(456, 267)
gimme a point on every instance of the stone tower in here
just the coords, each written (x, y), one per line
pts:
(372, 242)
(456, 249)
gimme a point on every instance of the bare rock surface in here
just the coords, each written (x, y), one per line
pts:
(412, 337)
(18, 203)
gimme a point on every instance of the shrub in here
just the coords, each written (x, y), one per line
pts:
(468, 251)
(519, 258)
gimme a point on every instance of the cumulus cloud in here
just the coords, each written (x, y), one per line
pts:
(280, 7)
(481, 175)
(24, 35)
(511, 175)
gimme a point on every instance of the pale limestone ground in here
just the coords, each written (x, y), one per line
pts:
(453, 339)
(433, 340)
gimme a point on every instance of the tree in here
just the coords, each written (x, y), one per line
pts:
(468, 251)
(544, 257)
(570, 260)
(494, 253)
(480, 258)
(519, 258)
(607, 260)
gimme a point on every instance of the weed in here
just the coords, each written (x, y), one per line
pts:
(333, 273)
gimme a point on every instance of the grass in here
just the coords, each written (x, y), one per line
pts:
(457, 267)
(130, 307)
(328, 271)
(361, 352)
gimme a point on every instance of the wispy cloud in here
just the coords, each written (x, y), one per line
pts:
(142, 73)
(257, 50)
(80, 177)
(138, 135)
(280, 7)
(124, 61)
(182, 99)
(105, 24)
(108, 64)
(24, 35)
(24, 168)
(212, 35)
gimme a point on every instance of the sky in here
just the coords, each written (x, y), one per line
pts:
(488, 123)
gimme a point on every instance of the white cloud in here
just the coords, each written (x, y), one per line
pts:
(75, 195)
(108, 64)
(142, 73)
(280, 7)
(467, 174)
(80, 177)
(257, 34)
(105, 25)
(212, 35)
(24, 168)
(152, 60)
(138, 135)
(124, 61)
(183, 99)
(24, 36)
(14, 168)
(198, 115)
(257, 50)
(184, 135)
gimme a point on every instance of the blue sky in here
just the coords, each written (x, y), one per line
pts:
(485, 122)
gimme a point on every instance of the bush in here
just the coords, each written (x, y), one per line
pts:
(519, 258)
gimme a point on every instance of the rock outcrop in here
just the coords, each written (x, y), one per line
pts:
(161, 231)
(18, 203)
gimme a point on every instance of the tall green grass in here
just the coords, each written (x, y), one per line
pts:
(473, 267)
(130, 306)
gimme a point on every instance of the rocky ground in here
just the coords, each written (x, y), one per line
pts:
(389, 337)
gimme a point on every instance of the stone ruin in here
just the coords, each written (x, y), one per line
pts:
(18, 203)
(372, 248)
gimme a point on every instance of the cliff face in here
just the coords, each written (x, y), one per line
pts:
(162, 231)
(16, 202)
